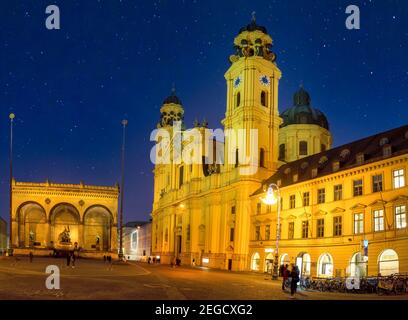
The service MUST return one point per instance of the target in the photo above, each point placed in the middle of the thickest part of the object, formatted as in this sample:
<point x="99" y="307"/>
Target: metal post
<point x="124" y="124"/>
<point x="11" y="116"/>
<point x="276" y="262"/>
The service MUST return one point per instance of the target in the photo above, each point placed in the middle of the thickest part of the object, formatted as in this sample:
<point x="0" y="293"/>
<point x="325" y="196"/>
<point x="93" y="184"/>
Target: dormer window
<point x="384" y="141"/>
<point x="360" y="158"/>
<point x="295" y="177"/>
<point x="279" y="182"/>
<point x="387" y="150"/>
<point x="336" y="165"/>
<point x="314" y="172"/>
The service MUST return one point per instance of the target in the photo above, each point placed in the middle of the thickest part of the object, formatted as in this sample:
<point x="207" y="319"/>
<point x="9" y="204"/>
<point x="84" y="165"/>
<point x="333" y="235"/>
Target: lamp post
<point x="124" y="124"/>
<point x="11" y="116"/>
<point x="271" y="199"/>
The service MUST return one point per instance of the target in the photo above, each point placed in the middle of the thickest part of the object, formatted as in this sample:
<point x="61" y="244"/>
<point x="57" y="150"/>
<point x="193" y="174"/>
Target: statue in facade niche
<point x="65" y="236"/>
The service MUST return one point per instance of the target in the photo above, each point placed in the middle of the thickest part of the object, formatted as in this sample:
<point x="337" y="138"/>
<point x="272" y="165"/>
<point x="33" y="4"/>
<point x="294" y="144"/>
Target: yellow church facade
<point x="51" y="216"/>
<point x="211" y="214"/>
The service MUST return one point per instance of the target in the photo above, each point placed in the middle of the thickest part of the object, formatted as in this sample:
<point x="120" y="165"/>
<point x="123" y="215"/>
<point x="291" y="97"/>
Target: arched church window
<point x="282" y="152"/>
<point x="303" y="148"/>
<point x="262" y="158"/>
<point x="238" y="102"/>
<point x="264" y="100"/>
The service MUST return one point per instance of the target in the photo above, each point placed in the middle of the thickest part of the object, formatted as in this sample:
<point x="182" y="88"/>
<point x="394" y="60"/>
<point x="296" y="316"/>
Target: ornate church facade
<point x="50" y="216"/>
<point x="343" y="210"/>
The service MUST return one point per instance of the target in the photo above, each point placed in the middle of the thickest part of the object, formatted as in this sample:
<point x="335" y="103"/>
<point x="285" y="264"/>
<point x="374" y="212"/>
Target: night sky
<point x="71" y="88"/>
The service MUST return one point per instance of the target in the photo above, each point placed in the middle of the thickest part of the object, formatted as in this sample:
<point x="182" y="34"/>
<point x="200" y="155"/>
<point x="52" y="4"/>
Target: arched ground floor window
<point x="255" y="262"/>
<point x="325" y="265"/>
<point x="268" y="266"/>
<point x="388" y="262"/>
<point x="303" y="262"/>
<point x="358" y="267"/>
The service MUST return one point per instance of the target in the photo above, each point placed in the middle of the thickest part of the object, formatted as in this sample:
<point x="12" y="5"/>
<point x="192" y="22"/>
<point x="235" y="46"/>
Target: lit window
<point x="338" y="192"/>
<point x="267" y="232"/>
<point x="379" y="220"/>
<point x="400" y="217"/>
<point x="305" y="229"/>
<point x="306" y="199"/>
<point x="358" y="187"/>
<point x="358" y="223"/>
<point x="291" y="230"/>
<point x="321" y="195"/>
<point x="399" y="178"/>
<point x="377" y="183"/>
<point x="320" y="228"/>
<point x="337" y="226"/>
<point x="257" y="233"/>
<point x="292" y="201"/>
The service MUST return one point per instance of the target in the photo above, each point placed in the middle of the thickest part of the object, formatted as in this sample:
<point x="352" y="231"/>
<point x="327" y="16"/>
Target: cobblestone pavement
<point x="92" y="279"/>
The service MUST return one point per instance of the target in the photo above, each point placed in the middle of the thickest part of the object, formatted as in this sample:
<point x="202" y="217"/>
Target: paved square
<point x="92" y="279"/>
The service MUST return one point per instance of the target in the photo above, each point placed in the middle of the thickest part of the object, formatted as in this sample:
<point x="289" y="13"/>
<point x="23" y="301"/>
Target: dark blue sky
<point x="70" y="88"/>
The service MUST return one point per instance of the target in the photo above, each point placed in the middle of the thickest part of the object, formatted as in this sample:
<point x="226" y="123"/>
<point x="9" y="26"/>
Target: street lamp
<point x="11" y="116"/>
<point x="124" y="124"/>
<point x="271" y="199"/>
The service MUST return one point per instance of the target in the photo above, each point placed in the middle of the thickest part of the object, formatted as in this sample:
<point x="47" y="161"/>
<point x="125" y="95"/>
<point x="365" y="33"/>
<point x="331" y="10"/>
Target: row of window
<point x="303" y="149"/>
<point x="264" y="99"/>
<point x="377" y="186"/>
<point x="358" y="224"/>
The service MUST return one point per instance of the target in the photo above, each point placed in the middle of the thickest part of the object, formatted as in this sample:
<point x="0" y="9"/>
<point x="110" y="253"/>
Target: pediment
<point x="400" y="198"/>
<point x="358" y="206"/>
<point x="305" y="215"/>
<point x="337" y="210"/>
<point x="257" y="222"/>
<point x="229" y="249"/>
<point x="320" y="213"/>
<point x="291" y="217"/>
<point x="378" y="202"/>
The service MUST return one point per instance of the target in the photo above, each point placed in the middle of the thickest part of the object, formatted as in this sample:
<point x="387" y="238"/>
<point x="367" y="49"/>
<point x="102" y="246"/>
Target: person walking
<point x="281" y="269"/>
<point x="73" y="259"/>
<point x="109" y="259"/>
<point x="68" y="259"/>
<point x="295" y="279"/>
<point x="285" y="275"/>
<point x="31" y="256"/>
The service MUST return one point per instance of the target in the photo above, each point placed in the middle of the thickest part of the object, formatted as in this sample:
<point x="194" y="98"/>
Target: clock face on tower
<point x="237" y="81"/>
<point x="264" y="80"/>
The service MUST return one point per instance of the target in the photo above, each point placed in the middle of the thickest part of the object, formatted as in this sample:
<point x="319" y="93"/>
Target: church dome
<point x="302" y="112"/>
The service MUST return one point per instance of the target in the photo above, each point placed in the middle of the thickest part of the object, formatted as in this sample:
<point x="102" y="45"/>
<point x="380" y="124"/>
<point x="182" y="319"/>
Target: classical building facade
<point x="47" y="216"/>
<point x="211" y="214"/>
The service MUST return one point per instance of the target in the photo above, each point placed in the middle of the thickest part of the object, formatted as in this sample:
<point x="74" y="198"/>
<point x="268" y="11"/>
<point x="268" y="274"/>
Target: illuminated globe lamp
<point x="273" y="197"/>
